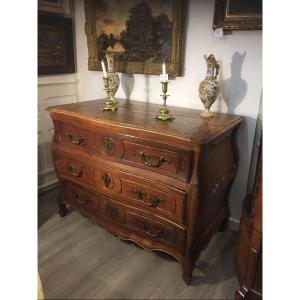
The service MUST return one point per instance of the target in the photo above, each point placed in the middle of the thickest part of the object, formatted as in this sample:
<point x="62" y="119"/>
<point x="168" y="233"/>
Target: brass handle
<point x="81" y="139"/>
<point x="139" y="194"/>
<point x="145" y="228"/>
<point x="154" y="201"/>
<point x="81" y="200"/>
<point x="144" y="156"/>
<point x="106" y="179"/>
<point x="75" y="172"/>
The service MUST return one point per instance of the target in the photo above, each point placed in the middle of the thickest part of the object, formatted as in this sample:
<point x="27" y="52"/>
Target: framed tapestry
<point x="55" y="45"/>
<point x="238" y="14"/>
<point x="141" y="33"/>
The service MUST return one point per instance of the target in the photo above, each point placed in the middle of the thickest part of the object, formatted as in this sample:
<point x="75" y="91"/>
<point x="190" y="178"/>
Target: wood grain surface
<point x="78" y="260"/>
<point x="185" y="166"/>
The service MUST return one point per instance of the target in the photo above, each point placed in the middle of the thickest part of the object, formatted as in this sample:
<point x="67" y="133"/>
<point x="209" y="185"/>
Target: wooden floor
<point x="79" y="260"/>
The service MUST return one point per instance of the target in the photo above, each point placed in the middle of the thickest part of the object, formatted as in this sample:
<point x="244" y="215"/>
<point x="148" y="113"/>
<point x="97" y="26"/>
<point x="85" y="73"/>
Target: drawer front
<point x="75" y="170"/>
<point x="155" y="230"/>
<point x="137" y="192"/>
<point x="160" y="158"/>
<point x="77" y="137"/>
<point x="80" y="198"/>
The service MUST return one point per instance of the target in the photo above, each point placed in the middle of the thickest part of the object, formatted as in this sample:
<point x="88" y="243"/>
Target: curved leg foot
<point x="62" y="209"/>
<point x="187" y="266"/>
<point x="187" y="279"/>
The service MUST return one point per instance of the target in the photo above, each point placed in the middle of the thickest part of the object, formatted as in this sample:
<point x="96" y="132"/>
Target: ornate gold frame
<point x="223" y="18"/>
<point x="174" y="68"/>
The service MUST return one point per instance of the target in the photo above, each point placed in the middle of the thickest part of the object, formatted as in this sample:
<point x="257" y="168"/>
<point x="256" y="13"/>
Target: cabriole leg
<point x="62" y="208"/>
<point x="187" y="267"/>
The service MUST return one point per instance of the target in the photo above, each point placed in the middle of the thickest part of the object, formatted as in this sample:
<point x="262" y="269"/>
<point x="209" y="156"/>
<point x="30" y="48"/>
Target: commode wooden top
<point x="188" y="125"/>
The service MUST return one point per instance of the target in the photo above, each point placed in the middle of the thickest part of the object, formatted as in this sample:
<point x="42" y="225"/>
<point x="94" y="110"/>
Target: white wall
<point x="52" y="90"/>
<point x="240" y="55"/>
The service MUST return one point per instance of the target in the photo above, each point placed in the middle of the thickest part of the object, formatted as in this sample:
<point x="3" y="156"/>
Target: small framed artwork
<point x="55" y="45"/>
<point x="238" y="14"/>
<point x="141" y="34"/>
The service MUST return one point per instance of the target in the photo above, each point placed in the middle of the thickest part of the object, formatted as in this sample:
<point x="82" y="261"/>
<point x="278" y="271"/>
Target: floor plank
<point x="79" y="260"/>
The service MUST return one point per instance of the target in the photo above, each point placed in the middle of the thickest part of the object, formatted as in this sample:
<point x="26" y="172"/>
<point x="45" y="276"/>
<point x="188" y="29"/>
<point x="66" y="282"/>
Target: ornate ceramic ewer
<point x="209" y="88"/>
<point x="113" y="78"/>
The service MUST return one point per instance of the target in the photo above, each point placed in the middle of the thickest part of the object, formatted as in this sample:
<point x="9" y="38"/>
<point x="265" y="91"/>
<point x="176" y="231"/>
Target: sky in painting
<point x="114" y="19"/>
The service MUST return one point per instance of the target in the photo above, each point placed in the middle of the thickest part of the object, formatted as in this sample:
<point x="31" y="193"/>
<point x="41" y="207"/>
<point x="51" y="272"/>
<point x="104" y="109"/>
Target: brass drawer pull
<point x="144" y="157"/>
<point x="77" y="173"/>
<point x="81" y="139"/>
<point x="155" y="201"/>
<point x="106" y="179"/>
<point x="139" y="194"/>
<point x="145" y="227"/>
<point x="81" y="200"/>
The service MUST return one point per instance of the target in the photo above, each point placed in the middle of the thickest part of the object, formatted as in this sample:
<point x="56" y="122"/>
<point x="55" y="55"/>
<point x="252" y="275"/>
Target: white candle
<point x="164" y="68"/>
<point x="103" y="69"/>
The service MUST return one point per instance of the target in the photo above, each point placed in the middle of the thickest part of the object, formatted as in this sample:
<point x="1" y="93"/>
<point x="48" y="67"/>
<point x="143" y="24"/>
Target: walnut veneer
<point x="163" y="185"/>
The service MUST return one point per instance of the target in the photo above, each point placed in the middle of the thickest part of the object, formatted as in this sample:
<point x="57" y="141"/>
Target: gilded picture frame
<point x="238" y="15"/>
<point x="126" y="60"/>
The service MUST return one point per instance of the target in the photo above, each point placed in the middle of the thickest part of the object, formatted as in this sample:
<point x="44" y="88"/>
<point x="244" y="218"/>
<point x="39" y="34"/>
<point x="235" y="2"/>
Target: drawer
<point x="75" y="170"/>
<point x="80" y="198"/>
<point x="153" y="156"/>
<point x="75" y="136"/>
<point x="141" y="193"/>
<point x="155" y="230"/>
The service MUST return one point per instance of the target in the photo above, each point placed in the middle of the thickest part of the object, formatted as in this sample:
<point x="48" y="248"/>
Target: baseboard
<point x="48" y="187"/>
<point x="233" y="224"/>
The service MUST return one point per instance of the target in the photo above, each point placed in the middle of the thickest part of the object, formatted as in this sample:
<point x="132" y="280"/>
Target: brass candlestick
<point x="110" y="104"/>
<point x="164" y="113"/>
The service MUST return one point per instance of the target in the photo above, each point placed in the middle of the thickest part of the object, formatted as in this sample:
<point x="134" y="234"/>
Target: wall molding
<point x="58" y="80"/>
<point x="233" y="224"/>
<point x="48" y="186"/>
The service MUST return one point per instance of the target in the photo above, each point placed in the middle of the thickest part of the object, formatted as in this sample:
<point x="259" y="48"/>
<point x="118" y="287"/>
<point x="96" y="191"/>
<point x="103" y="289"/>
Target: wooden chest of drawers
<point x="163" y="185"/>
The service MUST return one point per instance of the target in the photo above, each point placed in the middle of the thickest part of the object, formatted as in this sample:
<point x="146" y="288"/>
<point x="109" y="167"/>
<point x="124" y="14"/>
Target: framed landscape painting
<point x="140" y="33"/>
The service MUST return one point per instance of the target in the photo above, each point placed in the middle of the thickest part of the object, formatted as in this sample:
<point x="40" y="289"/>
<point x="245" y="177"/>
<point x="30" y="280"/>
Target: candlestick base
<point x="207" y="115"/>
<point x="109" y="106"/>
<point x="164" y="115"/>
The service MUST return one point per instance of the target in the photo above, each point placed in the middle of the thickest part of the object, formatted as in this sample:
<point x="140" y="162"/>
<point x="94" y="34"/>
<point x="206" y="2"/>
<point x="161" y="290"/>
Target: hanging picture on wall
<point x="55" y="45"/>
<point x="238" y="14"/>
<point x="140" y="33"/>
